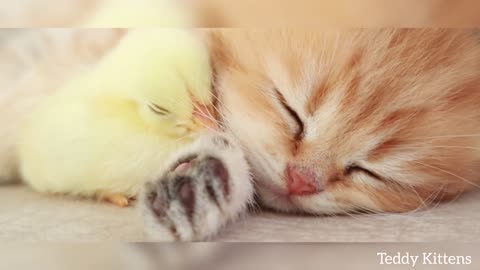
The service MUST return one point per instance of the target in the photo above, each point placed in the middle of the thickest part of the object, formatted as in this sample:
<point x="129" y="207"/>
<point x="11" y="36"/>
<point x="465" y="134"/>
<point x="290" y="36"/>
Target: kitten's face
<point x="353" y="120"/>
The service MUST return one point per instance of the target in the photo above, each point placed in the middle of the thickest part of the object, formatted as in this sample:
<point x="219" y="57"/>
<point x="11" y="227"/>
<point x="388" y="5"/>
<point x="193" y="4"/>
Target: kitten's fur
<point x="401" y="104"/>
<point x="385" y="121"/>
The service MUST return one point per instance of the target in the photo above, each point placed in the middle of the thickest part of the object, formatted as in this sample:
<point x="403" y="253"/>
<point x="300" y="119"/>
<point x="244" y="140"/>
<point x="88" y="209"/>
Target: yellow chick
<point x="110" y="130"/>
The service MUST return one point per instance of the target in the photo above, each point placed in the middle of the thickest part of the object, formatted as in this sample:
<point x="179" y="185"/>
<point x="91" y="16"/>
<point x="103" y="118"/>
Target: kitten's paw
<point x="191" y="201"/>
<point x="206" y="186"/>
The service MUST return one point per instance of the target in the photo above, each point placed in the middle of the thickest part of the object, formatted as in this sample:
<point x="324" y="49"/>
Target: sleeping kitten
<point x="322" y="122"/>
<point x="329" y="122"/>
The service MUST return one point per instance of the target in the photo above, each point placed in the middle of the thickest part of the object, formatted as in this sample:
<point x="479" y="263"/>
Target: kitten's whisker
<point x="177" y="103"/>
<point x="426" y="203"/>
<point x="354" y="215"/>
<point x="383" y="214"/>
<point x="422" y="201"/>
<point x="444" y="171"/>
<point x="434" y="146"/>
<point x="219" y="112"/>
<point x="223" y="123"/>
<point x="438" y="197"/>
<point x="206" y="114"/>
<point x="213" y="117"/>
<point x="220" y="102"/>
<point x="446" y="136"/>
<point x="374" y="212"/>
<point x="206" y="127"/>
<point x="203" y="114"/>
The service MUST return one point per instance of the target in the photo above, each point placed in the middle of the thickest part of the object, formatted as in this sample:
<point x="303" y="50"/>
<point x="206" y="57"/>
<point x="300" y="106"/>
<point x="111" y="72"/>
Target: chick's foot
<point x="116" y="199"/>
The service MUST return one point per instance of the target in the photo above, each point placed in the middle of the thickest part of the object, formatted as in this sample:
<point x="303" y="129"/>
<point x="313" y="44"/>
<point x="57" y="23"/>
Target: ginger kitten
<point x="329" y="122"/>
<point x="376" y="119"/>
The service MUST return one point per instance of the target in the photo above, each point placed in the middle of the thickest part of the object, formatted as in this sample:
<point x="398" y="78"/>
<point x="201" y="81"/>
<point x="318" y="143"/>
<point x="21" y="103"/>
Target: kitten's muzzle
<point x="302" y="181"/>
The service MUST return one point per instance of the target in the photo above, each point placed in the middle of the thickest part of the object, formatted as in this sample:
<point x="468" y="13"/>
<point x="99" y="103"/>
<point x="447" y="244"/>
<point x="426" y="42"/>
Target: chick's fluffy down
<point x="91" y="137"/>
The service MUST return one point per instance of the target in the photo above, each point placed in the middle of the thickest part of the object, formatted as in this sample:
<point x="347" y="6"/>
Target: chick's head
<point x="167" y="73"/>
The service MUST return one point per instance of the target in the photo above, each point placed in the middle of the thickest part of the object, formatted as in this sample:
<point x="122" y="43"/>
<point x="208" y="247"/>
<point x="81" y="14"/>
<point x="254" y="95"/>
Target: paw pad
<point x="188" y="177"/>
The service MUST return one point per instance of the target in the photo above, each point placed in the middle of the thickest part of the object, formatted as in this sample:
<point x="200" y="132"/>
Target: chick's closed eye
<point x="158" y="109"/>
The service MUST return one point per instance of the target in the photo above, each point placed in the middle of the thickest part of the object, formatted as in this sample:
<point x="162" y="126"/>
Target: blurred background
<point x="253" y="13"/>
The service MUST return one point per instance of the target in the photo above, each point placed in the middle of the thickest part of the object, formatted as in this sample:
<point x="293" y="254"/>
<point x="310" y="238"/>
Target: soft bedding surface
<point x="28" y="216"/>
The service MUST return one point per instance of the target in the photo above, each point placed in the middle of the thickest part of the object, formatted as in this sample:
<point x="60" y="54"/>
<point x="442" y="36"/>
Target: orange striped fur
<point x="403" y="104"/>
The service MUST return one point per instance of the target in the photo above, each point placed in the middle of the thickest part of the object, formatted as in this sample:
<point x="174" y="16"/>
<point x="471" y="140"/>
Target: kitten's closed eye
<point x="391" y="109"/>
<point x="300" y="126"/>
<point x="354" y="168"/>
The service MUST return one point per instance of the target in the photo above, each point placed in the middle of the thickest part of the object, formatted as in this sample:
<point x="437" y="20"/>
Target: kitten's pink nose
<point x="302" y="181"/>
